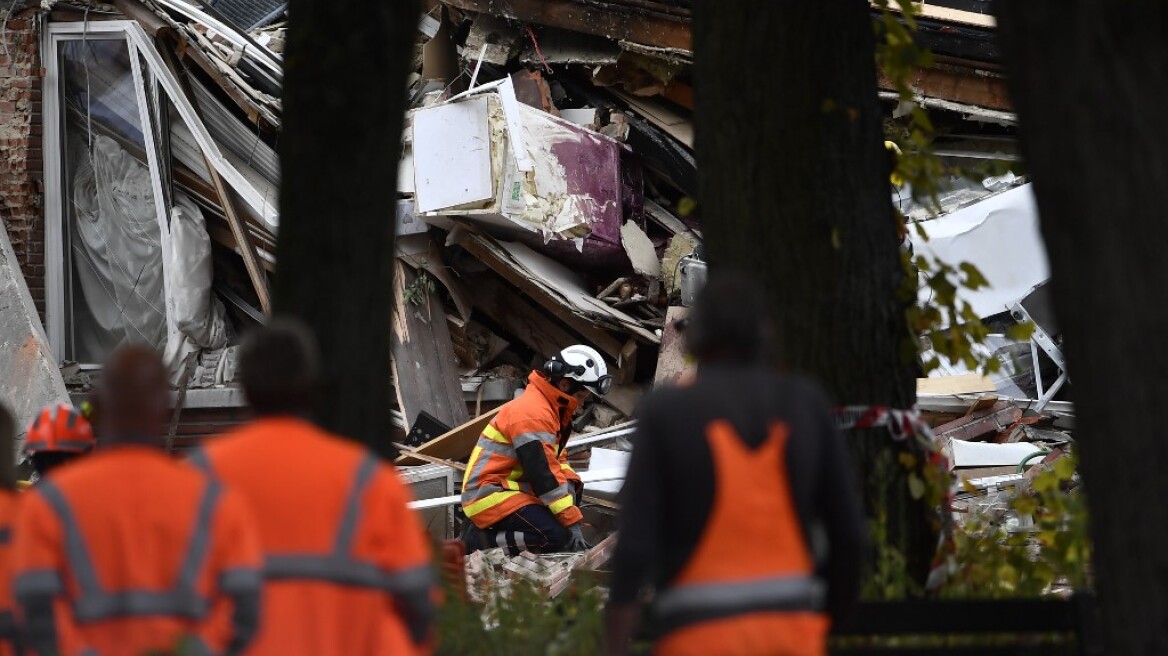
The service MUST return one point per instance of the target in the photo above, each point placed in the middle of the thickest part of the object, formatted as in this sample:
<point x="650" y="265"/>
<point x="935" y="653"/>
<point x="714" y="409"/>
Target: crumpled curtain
<point x="118" y="258"/>
<point x="200" y="319"/>
<point x="117" y="254"/>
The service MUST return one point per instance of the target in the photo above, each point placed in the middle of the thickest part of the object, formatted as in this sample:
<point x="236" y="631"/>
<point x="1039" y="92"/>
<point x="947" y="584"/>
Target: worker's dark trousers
<point x="531" y="528"/>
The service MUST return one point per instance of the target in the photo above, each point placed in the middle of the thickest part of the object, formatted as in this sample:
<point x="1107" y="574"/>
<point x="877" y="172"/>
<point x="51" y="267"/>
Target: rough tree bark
<point x="794" y="189"/>
<point x="344" y="100"/>
<point x="1089" y="79"/>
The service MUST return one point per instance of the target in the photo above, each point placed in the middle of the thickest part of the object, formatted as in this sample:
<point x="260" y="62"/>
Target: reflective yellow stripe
<point x="510" y="484"/>
<point x="470" y="465"/>
<point x="559" y="506"/>
<point x="566" y="467"/>
<point x="493" y="434"/>
<point x="488" y="502"/>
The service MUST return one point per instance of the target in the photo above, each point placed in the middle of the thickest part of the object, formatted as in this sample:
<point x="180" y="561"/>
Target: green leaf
<point x="1026" y="505"/>
<point x="916" y="487"/>
<point x="1064" y="468"/>
<point x="973" y="277"/>
<point x="920" y="228"/>
<point x="1020" y="332"/>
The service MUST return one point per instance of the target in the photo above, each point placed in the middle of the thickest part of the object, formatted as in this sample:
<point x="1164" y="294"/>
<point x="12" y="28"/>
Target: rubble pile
<point x="544" y="198"/>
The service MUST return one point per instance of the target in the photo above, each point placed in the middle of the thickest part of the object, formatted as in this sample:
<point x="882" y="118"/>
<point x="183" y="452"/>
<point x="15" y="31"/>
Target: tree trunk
<point x="795" y="190"/>
<point x="1089" y="81"/>
<point x="344" y="103"/>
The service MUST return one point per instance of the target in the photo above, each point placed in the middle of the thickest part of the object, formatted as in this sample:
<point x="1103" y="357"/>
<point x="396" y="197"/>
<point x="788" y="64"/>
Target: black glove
<point x="576" y="541"/>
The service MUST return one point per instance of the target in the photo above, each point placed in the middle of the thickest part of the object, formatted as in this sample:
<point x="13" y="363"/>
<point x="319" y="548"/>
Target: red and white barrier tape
<point x="901" y="424"/>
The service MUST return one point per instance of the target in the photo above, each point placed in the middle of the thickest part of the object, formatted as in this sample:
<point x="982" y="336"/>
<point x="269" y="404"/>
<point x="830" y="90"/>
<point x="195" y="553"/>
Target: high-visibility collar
<point x="557" y="398"/>
<point x="282" y="424"/>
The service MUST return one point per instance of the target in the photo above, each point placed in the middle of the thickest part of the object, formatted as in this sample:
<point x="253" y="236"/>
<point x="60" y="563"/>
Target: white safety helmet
<point x="582" y="364"/>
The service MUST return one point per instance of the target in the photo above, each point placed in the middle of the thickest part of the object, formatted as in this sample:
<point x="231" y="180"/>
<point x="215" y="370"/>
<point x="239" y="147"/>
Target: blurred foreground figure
<point x="9" y="640"/>
<point x="346" y="563"/>
<point x="127" y="551"/>
<point x="59" y="435"/>
<point x="731" y="477"/>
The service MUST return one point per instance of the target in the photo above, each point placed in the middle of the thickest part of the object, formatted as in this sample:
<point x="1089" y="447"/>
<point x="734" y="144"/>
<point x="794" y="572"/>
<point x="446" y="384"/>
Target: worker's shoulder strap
<point x="341" y="566"/>
<point x="93" y="602"/>
<point x="201" y="461"/>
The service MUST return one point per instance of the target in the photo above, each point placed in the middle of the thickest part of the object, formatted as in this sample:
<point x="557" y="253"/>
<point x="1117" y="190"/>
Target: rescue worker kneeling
<point x="519" y="492"/>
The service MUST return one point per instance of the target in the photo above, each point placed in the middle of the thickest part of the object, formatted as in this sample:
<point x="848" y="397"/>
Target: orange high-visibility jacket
<point x="520" y="459"/>
<point x="8" y="635"/>
<point x="129" y="552"/>
<point x="347" y="564"/>
<point x="751" y="596"/>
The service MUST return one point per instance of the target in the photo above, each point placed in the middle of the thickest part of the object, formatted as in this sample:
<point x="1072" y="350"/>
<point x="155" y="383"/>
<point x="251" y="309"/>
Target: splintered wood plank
<point x="425" y="371"/>
<point x="453" y="445"/>
<point x="672" y="363"/>
<point x="596" y="336"/>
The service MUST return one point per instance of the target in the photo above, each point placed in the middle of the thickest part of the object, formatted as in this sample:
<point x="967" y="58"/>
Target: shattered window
<point x="113" y="270"/>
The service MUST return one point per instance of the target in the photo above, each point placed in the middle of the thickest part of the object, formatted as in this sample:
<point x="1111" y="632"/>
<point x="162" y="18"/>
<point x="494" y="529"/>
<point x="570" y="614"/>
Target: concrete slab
<point x="29" y="376"/>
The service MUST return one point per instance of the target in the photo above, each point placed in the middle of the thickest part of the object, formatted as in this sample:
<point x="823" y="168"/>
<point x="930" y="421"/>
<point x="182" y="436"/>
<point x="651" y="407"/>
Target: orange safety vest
<point x="137" y="553"/>
<point x="341" y="546"/>
<point x="749" y="588"/>
<point x="9" y="639"/>
<point x="495" y="485"/>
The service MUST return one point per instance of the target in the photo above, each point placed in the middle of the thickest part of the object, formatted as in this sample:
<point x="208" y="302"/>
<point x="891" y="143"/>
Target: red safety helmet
<point x="59" y="429"/>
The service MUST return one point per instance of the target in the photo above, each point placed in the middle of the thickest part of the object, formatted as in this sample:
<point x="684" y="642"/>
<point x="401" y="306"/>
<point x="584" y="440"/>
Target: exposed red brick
<point x="21" y="167"/>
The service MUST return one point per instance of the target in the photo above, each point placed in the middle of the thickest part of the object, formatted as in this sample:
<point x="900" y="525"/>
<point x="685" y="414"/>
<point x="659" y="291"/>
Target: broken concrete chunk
<point x="501" y="38"/>
<point x="640" y="250"/>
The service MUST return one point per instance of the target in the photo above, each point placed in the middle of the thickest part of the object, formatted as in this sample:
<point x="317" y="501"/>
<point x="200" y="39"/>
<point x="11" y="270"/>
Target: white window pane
<point x="114" y="286"/>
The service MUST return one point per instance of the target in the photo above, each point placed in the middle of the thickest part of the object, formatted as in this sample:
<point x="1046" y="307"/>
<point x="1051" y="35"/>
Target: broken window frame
<point x="58" y="294"/>
<point x="148" y="68"/>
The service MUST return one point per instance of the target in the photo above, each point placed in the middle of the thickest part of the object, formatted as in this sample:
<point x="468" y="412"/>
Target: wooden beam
<point x="598" y="337"/>
<point x="413" y="453"/>
<point x="455" y="444"/>
<point x="642" y="24"/>
<point x="926" y="10"/>
<point x="947" y="14"/>
<point x="251" y="259"/>
<point x="965" y="86"/>
<point x="425" y="371"/>
<point x="225" y="238"/>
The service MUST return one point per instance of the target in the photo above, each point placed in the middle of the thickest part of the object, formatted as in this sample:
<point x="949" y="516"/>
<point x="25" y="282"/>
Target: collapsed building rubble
<point x="543" y="199"/>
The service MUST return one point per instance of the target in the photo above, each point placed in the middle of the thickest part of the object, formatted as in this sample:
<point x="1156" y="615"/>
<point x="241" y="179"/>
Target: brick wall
<point x="21" y="158"/>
